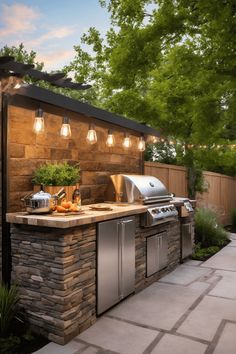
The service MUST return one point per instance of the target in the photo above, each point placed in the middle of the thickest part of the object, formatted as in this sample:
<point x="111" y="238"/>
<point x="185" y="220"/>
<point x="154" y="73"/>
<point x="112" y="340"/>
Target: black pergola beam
<point x="64" y="102"/>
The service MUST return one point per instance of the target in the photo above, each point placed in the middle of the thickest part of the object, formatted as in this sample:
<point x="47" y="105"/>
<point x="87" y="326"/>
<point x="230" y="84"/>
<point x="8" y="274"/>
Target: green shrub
<point x="8" y="308"/>
<point x="207" y="230"/>
<point x="61" y="174"/>
<point x="233" y="217"/>
<point x="9" y="345"/>
<point x="202" y="254"/>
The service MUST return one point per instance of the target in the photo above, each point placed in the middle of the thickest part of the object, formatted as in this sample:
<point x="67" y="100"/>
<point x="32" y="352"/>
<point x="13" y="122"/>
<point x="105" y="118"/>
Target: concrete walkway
<point x="191" y="310"/>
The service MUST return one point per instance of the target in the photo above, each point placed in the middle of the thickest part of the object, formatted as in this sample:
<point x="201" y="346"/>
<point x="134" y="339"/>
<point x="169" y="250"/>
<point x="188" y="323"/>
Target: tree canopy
<point x="170" y="64"/>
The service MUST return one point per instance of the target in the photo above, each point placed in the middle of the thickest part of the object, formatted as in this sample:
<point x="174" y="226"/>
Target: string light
<point x="127" y="141"/>
<point x="65" y="128"/>
<point x="141" y="144"/>
<point x="91" y="135"/>
<point x="110" y="139"/>
<point x="155" y="139"/>
<point x="38" y="127"/>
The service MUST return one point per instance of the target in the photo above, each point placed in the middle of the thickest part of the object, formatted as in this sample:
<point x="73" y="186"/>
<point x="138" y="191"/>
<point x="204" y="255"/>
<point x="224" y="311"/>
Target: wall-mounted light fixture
<point x="38" y="127"/>
<point x="141" y="144"/>
<point x="127" y="141"/>
<point x="91" y="135"/>
<point x="65" y="128"/>
<point x="110" y="138"/>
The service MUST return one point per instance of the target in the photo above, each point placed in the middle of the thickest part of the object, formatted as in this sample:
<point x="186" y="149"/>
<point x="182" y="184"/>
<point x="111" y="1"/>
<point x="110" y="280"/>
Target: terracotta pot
<point x="54" y="189"/>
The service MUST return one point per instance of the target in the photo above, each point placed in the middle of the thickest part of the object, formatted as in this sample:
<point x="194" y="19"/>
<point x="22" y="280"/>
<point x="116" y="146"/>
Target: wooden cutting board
<point x="100" y="208"/>
<point x="69" y="213"/>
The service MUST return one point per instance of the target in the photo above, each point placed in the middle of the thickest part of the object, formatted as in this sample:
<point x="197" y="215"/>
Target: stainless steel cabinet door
<point x="163" y="250"/>
<point x="187" y="240"/>
<point x="127" y="256"/>
<point x="107" y="265"/>
<point x="157" y="253"/>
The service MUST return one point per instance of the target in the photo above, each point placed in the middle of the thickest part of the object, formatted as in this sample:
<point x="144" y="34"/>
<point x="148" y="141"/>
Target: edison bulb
<point x="110" y="139"/>
<point x="141" y="144"/>
<point x="65" y="128"/>
<point x="92" y="135"/>
<point x="127" y="142"/>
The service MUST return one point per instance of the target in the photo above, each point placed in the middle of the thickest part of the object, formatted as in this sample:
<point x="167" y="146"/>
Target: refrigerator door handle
<point x="120" y="250"/>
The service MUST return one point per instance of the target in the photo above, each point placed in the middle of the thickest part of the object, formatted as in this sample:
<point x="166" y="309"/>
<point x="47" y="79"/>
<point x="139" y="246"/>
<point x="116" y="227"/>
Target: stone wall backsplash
<point x="97" y="162"/>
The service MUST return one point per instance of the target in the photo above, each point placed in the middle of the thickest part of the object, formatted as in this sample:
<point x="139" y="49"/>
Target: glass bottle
<point x="77" y="197"/>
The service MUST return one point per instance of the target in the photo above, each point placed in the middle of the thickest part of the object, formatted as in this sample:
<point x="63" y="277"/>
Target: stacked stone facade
<point x="55" y="270"/>
<point x="173" y="237"/>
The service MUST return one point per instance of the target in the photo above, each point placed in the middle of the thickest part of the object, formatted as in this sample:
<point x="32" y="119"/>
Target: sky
<point x="50" y="27"/>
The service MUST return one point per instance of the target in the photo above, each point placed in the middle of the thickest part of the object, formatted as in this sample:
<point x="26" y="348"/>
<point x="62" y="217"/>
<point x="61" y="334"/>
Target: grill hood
<point x="139" y="189"/>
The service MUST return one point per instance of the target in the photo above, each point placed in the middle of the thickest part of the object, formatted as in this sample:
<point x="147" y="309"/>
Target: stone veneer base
<point x="55" y="270"/>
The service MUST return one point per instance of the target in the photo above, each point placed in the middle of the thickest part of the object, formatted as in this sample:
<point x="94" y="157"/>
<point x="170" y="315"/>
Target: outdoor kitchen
<point x="129" y="232"/>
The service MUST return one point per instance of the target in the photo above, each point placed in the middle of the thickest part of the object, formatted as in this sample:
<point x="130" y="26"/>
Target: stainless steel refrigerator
<point x="115" y="261"/>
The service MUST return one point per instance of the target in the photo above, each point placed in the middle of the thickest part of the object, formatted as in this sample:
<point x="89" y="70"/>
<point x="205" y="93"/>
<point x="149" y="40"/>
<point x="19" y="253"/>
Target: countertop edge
<point x="90" y="217"/>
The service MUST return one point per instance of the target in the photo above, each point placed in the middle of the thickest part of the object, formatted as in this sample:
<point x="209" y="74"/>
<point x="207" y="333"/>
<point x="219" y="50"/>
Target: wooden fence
<point x="220" y="196"/>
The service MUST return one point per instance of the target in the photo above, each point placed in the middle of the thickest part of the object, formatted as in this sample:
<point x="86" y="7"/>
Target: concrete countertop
<point x="89" y="216"/>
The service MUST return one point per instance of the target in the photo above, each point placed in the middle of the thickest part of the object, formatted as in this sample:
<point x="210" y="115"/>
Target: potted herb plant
<point x="54" y="176"/>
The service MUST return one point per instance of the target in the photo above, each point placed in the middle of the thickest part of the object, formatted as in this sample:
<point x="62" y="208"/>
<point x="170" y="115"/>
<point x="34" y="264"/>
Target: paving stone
<point x="232" y="243"/>
<point x="91" y="350"/>
<point x="226" y="287"/>
<point x="118" y="336"/>
<point x="199" y="285"/>
<point x="171" y="344"/>
<point x="227" y="341"/>
<point x="193" y="262"/>
<point x="52" y="348"/>
<point x="225" y="259"/>
<point x="204" y="320"/>
<point x="160" y="305"/>
<point x="185" y="275"/>
<point x="233" y="236"/>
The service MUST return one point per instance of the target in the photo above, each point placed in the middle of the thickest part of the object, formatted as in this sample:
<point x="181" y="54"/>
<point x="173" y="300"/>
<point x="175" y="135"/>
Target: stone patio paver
<point x="171" y="344"/>
<point x="226" y="287"/>
<point x="118" y="336"/>
<point x="185" y="275"/>
<point x="160" y="305"/>
<point x="225" y="259"/>
<point x="72" y="347"/>
<point x="190" y="311"/>
<point x="227" y="341"/>
<point x="204" y="320"/>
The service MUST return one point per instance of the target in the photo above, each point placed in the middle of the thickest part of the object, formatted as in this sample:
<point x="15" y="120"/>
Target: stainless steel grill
<point x="147" y="190"/>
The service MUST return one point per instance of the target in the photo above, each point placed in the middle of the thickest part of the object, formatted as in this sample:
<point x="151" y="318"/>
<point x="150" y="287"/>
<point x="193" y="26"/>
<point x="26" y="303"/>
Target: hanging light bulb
<point x="92" y="135"/>
<point x="127" y="141"/>
<point x="154" y="139"/>
<point x="65" y="128"/>
<point x="38" y="127"/>
<point x="141" y="144"/>
<point x="110" y="139"/>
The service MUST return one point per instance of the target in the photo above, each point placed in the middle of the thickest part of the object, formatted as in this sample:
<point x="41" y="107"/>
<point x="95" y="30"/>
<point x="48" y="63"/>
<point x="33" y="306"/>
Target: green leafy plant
<point x="202" y="254"/>
<point x="8" y="308"/>
<point x="207" y="229"/>
<point x="9" y="344"/>
<point x="61" y="174"/>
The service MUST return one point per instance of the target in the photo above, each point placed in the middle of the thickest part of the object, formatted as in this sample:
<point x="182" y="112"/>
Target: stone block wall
<point x="55" y="272"/>
<point x="173" y="236"/>
<point x="27" y="151"/>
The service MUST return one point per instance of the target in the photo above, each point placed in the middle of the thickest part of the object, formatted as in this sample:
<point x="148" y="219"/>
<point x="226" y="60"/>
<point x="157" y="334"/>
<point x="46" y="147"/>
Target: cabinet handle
<point x="127" y="221"/>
